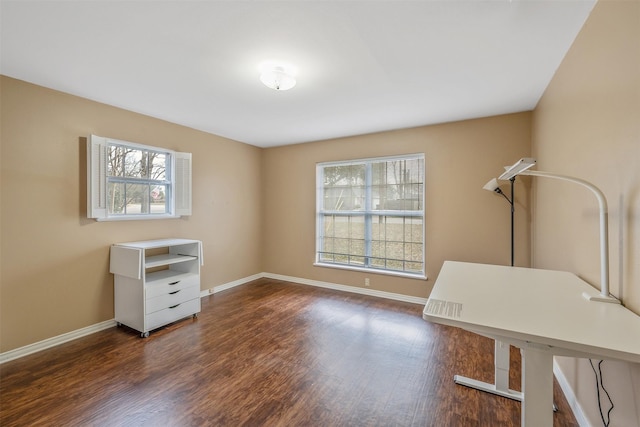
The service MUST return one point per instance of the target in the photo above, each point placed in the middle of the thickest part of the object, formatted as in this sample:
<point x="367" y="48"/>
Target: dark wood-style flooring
<point x="268" y="353"/>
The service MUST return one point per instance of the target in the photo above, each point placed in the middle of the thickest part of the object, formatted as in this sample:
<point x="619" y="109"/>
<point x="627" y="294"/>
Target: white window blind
<point x="133" y="181"/>
<point x="370" y="215"/>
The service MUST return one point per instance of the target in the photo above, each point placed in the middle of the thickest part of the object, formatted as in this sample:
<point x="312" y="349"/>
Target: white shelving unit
<point x="156" y="282"/>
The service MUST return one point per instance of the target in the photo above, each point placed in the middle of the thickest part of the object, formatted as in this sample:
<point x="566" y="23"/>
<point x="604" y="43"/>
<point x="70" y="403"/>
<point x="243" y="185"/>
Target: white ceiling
<point x="364" y="66"/>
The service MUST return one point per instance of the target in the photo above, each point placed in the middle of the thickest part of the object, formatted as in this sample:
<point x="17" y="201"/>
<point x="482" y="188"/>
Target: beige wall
<point x="54" y="267"/>
<point x="587" y="125"/>
<point x="463" y="222"/>
<point x="55" y="262"/>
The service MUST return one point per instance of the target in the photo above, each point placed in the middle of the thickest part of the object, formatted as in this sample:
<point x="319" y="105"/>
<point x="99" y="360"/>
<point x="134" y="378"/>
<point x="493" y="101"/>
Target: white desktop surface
<point x="539" y="306"/>
<point x="541" y="311"/>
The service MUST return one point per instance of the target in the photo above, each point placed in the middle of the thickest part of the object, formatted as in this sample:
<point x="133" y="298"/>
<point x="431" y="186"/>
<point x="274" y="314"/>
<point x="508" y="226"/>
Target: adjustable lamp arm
<point x="493" y="185"/>
<point x="500" y="192"/>
<point x="604" y="233"/>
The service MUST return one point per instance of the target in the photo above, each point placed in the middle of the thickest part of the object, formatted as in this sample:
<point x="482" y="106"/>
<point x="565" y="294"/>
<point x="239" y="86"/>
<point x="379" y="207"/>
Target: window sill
<point x="136" y="217"/>
<point x="417" y="276"/>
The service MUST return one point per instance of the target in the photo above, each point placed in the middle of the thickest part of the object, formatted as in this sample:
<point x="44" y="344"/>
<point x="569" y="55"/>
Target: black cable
<point x="600" y="384"/>
<point x="606" y="392"/>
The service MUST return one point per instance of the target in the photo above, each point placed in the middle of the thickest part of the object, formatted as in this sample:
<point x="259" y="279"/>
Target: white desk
<point x="542" y="312"/>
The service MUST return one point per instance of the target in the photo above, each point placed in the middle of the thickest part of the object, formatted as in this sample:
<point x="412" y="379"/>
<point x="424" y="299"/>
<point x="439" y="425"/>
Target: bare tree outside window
<point x="137" y="180"/>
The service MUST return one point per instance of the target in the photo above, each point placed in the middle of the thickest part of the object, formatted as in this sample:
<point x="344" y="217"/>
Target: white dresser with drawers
<point x="156" y="282"/>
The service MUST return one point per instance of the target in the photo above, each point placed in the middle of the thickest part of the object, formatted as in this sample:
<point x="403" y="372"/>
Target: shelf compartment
<point x="167" y="259"/>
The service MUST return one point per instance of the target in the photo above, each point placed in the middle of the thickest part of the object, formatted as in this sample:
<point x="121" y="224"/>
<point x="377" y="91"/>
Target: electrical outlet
<point x="366" y="281"/>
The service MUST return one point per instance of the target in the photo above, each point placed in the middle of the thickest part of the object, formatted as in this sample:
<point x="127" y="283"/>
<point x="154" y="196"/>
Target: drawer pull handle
<point x="174" y="292"/>
<point x="174" y="283"/>
<point x="174" y="306"/>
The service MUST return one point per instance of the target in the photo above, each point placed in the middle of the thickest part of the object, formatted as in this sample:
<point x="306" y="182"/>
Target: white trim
<point x="581" y="418"/>
<point x="345" y="288"/>
<point x="417" y="276"/>
<point x="230" y="285"/>
<point x="135" y="217"/>
<point x="317" y="283"/>
<point x="54" y="341"/>
<point x="177" y="181"/>
<point x="411" y="156"/>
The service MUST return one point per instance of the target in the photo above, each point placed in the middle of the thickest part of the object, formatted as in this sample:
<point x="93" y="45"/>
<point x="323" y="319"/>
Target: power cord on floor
<point x="600" y="385"/>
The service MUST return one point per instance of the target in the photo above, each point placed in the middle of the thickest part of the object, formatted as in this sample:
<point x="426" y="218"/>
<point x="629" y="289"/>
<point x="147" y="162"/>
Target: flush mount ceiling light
<point x="277" y="76"/>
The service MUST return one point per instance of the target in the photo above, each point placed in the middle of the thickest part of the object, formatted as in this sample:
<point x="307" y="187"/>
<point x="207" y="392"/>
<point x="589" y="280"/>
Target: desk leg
<point x="501" y="377"/>
<point x="537" y="388"/>
<point x="501" y="361"/>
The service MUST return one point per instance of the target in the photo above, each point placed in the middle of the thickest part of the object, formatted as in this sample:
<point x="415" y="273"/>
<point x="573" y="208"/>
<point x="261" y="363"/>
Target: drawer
<point x="171" y="284"/>
<point x="168" y="315"/>
<point x="177" y="296"/>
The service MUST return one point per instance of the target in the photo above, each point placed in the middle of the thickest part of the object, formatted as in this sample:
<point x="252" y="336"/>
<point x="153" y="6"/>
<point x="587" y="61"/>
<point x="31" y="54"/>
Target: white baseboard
<point x="345" y="288"/>
<point x="570" y="396"/>
<point x="69" y="336"/>
<point x="54" y="341"/>
<point x="230" y="285"/>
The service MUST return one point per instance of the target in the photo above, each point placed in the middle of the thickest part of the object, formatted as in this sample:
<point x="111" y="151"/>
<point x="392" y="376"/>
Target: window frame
<point x="368" y="212"/>
<point x="177" y="181"/>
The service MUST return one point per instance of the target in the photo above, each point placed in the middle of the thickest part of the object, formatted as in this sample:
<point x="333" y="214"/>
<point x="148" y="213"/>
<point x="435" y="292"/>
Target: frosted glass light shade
<point x="276" y="78"/>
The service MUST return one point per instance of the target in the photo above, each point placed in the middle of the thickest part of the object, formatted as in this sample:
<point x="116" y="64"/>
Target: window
<point x="133" y="181"/>
<point x="370" y="215"/>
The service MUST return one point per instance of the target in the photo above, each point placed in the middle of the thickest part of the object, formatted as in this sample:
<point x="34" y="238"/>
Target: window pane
<point x="341" y="246"/>
<point x="356" y="260"/>
<point x="413" y="252"/>
<point x="327" y="245"/>
<point x="134" y="163"/>
<point x="158" y="166"/>
<point x="137" y="199"/>
<point x="394" y="250"/>
<point x="115" y="198"/>
<point x="393" y="264"/>
<point x="329" y="225"/>
<point x="396" y="239"/>
<point x="344" y="239"/>
<point x="341" y="227"/>
<point x="415" y="267"/>
<point x="158" y="200"/>
<point x="327" y="257"/>
<point x="394" y="229"/>
<point x="356" y="228"/>
<point x="344" y="187"/>
<point x="397" y="185"/>
<point x="378" y="262"/>
<point x="378" y="228"/>
<point x="377" y="249"/>
<point x="115" y="160"/>
<point x="413" y="229"/>
<point x="343" y="175"/>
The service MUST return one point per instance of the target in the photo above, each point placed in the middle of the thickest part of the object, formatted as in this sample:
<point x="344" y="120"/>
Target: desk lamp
<point x="521" y="167"/>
